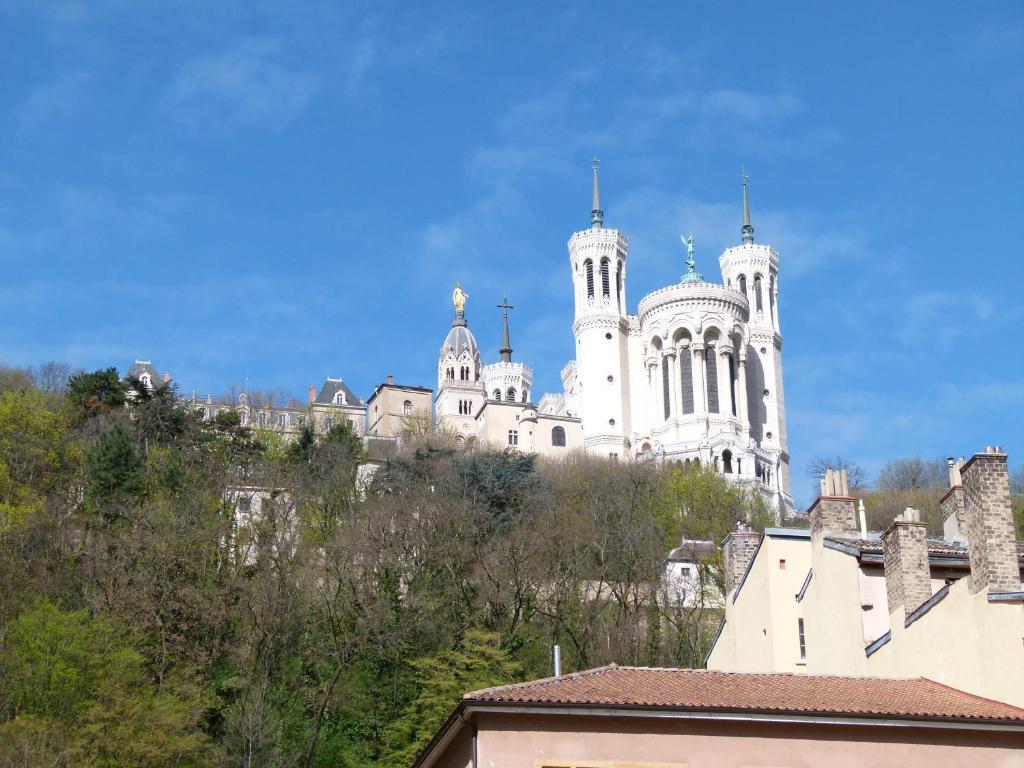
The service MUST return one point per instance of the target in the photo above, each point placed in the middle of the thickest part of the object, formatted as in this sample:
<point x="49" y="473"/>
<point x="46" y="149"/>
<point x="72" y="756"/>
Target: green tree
<point x="116" y="472"/>
<point x="97" y="392"/>
<point x="442" y="678"/>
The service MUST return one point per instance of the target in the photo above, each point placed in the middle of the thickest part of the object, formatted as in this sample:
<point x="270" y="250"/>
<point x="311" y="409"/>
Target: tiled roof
<point x="707" y="690"/>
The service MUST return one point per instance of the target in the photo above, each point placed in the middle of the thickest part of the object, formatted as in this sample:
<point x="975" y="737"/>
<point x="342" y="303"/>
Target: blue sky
<point x="281" y="192"/>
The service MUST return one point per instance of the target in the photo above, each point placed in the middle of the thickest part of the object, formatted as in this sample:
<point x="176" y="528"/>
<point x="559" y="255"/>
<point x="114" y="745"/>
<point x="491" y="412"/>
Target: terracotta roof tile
<point x="707" y="690"/>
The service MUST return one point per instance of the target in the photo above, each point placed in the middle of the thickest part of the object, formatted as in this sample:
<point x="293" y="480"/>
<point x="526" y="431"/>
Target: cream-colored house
<point x="837" y="600"/>
<point x="392" y="406"/>
<point x="628" y="717"/>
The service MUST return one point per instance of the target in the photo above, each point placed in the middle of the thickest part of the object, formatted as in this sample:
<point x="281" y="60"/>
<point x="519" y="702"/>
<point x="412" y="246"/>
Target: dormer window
<point x="339" y="398"/>
<point x="147" y="382"/>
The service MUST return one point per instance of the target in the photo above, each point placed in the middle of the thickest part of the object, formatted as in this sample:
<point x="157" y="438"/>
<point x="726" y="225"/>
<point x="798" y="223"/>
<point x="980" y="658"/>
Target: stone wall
<point x="990" y="532"/>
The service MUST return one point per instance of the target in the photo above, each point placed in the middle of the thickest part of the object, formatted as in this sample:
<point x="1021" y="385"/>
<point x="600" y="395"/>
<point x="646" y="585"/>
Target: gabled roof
<point x="712" y="691"/>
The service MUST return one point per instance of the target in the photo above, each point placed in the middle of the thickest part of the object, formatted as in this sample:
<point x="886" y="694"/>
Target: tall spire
<point x="748" y="230"/>
<point x="596" y="214"/>
<point x="506" y="345"/>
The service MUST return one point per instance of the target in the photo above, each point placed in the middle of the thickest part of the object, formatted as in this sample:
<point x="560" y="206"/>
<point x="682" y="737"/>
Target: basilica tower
<point x="753" y="270"/>
<point x="597" y="258"/>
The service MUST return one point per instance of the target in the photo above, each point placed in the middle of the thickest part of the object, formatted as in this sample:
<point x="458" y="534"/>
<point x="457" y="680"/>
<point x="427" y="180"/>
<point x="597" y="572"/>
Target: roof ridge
<point x="545" y="680"/>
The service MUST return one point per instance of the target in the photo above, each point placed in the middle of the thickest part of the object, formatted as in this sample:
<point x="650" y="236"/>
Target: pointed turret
<point x="748" y="230"/>
<point x="506" y="344"/>
<point x="596" y="214"/>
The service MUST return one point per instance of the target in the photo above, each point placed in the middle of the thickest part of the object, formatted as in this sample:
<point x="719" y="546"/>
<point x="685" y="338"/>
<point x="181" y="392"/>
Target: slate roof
<point x="140" y="367"/>
<point x="331" y="387"/>
<point x="708" y="690"/>
<point x="458" y="340"/>
<point x="936" y="547"/>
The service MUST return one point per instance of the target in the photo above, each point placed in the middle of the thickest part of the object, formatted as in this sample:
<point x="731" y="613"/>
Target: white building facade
<point x="694" y="376"/>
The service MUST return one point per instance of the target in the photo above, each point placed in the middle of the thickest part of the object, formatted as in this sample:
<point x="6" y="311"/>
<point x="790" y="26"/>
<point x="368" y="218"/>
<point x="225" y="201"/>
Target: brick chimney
<point x="738" y="549"/>
<point x="834" y="511"/>
<point x="905" y="550"/>
<point x="954" y="525"/>
<point x="989" y="522"/>
<point x="391" y="379"/>
<point x="312" y="393"/>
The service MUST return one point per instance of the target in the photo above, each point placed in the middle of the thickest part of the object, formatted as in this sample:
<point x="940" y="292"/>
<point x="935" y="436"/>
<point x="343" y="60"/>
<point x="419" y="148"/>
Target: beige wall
<point x="535" y="741"/>
<point x="760" y="632"/>
<point x="963" y="641"/>
<point x="385" y="413"/>
<point x="497" y="418"/>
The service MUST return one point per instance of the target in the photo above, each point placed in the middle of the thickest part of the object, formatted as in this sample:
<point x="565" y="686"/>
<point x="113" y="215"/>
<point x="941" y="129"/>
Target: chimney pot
<point x="738" y="549"/>
<point x="391" y="379"/>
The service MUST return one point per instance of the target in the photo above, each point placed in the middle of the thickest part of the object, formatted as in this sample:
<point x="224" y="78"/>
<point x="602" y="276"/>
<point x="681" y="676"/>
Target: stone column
<point x="654" y="372"/>
<point x="741" y="394"/>
<point x="673" y="385"/>
<point x="700" y="400"/>
<point x="724" y="380"/>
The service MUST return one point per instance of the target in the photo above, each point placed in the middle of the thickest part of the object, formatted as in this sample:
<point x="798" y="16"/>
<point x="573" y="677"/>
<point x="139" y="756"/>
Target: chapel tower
<point x="753" y="270"/>
<point x="460" y="389"/>
<point x="597" y="258"/>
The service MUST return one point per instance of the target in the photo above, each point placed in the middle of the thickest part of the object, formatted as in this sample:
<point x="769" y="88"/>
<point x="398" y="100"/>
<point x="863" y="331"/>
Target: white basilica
<point x="694" y="375"/>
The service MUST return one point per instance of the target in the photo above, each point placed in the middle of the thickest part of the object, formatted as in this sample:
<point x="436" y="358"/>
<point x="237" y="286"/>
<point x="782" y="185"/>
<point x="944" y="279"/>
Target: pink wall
<point x="529" y="741"/>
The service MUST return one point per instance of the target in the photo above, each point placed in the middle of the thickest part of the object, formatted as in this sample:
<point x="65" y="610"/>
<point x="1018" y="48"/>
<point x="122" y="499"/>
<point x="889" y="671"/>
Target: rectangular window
<point x="513" y="437"/>
<point x="782" y="565"/>
<point x="803" y="644"/>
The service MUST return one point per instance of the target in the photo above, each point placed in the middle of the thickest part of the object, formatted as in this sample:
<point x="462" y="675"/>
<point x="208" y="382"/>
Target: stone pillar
<point x="907" y="574"/>
<point x="700" y="400"/>
<point x="673" y="385"/>
<point x="724" y="380"/>
<point x="654" y="372"/>
<point x="990" y="531"/>
<point x="741" y="395"/>
<point x="738" y="549"/>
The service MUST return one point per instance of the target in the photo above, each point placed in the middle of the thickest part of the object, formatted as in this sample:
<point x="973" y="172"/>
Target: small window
<point x="513" y="437"/>
<point x="605" y="280"/>
<point x="588" y="268"/>
<point x="282" y="420"/>
<point x="511" y="395"/>
<point x="558" y="437"/>
<point x="782" y="565"/>
<point x="340" y="399"/>
<point x="497" y="395"/>
<point x="407" y="408"/>
<point x="684" y="571"/>
<point x="803" y="643"/>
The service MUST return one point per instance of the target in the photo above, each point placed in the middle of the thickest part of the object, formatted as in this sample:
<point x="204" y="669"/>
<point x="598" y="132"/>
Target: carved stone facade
<point x="694" y="376"/>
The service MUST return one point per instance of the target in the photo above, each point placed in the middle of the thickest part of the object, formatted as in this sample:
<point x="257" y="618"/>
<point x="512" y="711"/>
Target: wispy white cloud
<point x="249" y="83"/>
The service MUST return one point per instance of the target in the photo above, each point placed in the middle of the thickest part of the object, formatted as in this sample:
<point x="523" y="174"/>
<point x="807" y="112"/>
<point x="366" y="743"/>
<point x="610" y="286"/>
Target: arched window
<point x="686" y="379"/>
<point x="460" y="407"/>
<point x="513" y="437"/>
<point x="727" y="462"/>
<point x="558" y="437"/>
<point x="526" y="395"/>
<point x="606" y="290"/>
<point x="588" y="267"/>
<point x="743" y="284"/>
<point x="618" y="285"/>
<point x="460" y="441"/>
<point x="407" y="408"/>
<point x="771" y="295"/>
<point x="758" y="300"/>
<point x="497" y="395"/>
<point x="511" y="394"/>
<point x="339" y="398"/>
<point x="711" y="365"/>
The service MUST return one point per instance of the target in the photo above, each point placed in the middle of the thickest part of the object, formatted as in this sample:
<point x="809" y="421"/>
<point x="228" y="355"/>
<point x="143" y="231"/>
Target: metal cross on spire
<point x="506" y="344"/>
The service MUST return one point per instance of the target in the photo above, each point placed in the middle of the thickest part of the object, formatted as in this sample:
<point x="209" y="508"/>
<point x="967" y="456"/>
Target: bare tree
<point x="53" y="376"/>
<point x="855" y="472"/>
